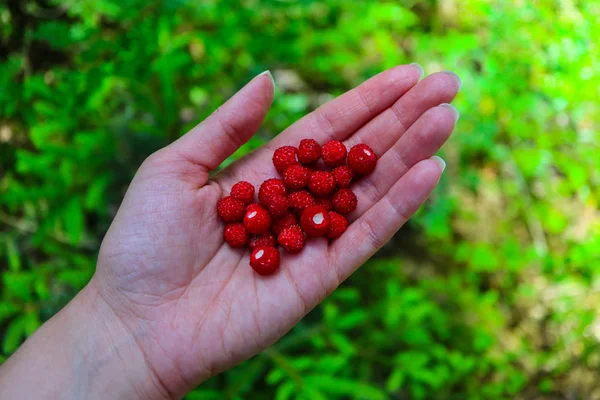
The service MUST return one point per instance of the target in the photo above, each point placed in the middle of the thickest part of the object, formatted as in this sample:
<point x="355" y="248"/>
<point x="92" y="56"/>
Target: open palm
<point x="192" y="303"/>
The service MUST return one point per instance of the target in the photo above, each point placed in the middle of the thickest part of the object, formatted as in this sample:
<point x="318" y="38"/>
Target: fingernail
<point x="453" y="109"/>
<point x="440" y="161"/>
<point x="418" y="66"/>
<point x="268" y="73"/>
<point x="455" y="77"/>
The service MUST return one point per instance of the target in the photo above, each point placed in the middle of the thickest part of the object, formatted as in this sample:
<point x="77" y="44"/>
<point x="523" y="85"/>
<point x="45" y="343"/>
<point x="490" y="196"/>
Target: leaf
<point x="74" y="220"/>
<point x="15" y="333"/>
<point x="395" y="380"/>
<point x="19" y="284"/>
<point x="285" y="391"/>
<point x="344" y="387"/>
<point x="14" y="259"/>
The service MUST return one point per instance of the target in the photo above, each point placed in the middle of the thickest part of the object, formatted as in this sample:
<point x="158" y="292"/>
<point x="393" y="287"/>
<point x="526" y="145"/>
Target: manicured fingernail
<point x="455" y="77"/>
<point x="440" y="161"/>
<point x="453" y="109"/>
<point x="268" y="73"/>
<point x="418" y="66"/>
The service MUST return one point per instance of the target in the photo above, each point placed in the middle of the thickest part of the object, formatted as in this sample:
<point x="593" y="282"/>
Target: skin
<point x="171" y="304"/>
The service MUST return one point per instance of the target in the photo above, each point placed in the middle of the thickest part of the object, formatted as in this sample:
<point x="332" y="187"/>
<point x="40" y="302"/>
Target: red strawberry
<point x="296" y="177"/>
<point x="288" y="219"/>
<point x="278" y="205"/>
<point x="300" y="200"/>
<point x="243" y="191"/>
<point x="343" y="176"/>
<point x="362" y="159"/>
<point x="236" y="235"/>
<point x="344" y="201"/>
<point x="309" y="151"/>
<point x="334" y="153"/>
<point x="292" y="239"/>
<point x="264" y="260"/>
<point x="270" y="188"/>
<point x="268" y="239"/>
<point x="321" y="183"/>
<point x="230" y="209"/>
<point x="315" y="221"/>
<point x="257" y="220"/>
<point x="325" y="202"/>
<point x="285" y="156"/>
<point x="337" y="225"/>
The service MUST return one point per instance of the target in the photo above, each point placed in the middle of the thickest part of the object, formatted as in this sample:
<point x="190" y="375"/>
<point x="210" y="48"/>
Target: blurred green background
<point x="491" y="292"/>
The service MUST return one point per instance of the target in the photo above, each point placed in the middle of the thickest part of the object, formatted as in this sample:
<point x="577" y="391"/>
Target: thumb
<point x="230" y="126"/>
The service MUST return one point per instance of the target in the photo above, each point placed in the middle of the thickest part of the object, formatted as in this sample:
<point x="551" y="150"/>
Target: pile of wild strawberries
<point x="308" y="202"/>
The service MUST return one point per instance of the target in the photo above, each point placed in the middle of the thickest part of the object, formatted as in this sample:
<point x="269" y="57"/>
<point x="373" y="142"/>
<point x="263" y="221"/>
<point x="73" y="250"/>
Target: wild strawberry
<point x="362" y="159"/>
<point x="257" y="220"/>
<point x="268" y="239"/>
<point x="337" y="225"/>
<point x="300" y="200"/>
<point x="334" y="153"/>
<point x="270" y="188"/>
<point x="315" y="221"/>
<point x="285" y="156"/>
<point x="292" y="239"/>
<point x="264" y="260"/>
<point x="296" y="177"/>
<point x="278" y="205"/>
<point x="343" y="176"/>
<point x="243" y="191"/>
<point x="286" y="220"/>
<point x="236" y="235"/>
<point x="321" y="183"/>
<point x="344" y="201"/>
<point x="230" y="209"/>
<point x="325" y="202"/>
<point x="309" y="151"/>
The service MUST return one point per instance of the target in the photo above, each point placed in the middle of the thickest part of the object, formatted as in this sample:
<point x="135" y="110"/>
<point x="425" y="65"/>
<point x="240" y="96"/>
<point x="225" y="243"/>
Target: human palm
<point x="191" y="302"/>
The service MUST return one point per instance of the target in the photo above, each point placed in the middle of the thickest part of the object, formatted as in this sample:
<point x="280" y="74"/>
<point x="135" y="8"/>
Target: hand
<point x="192" y="304"/>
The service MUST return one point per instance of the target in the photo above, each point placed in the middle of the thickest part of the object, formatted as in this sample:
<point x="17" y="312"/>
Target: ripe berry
<point x="292" y="239"/>
<point x="344" y="201"/>
<point x="296" y="177"/>
<point x="270" y="188"/>
<point x="243" y="191"/>
<point x="337" y="225"/>
<point x="230" y="209"/>
<point x="257" y="220"/>
<point x="236" y="235"/>
<point x="278" y="205"/>
<point x="362" y="159"/>
<point x="309" y="151"/>
<point x="268" y="239"/>
<point x="334" y="153"/>
<point x="300" y="201"/>
<point x="343" y="176"/>
<point x="264" y="260"/>
<point x="321" y="183"/>
<point x="315" y="221"/>
<point x="288" y="219"/>
<point x="285" y="156"/>
<point x="325" y="202"/>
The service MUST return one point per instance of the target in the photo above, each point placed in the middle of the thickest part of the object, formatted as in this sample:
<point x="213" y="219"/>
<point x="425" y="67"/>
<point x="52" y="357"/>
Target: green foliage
<point x="490" y="292"/>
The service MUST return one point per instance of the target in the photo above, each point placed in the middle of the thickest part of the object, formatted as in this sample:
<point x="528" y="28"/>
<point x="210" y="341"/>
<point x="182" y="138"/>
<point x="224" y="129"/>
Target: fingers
<point x="230" y="126"/>
<point x="341" y="117"/>
<point x="422" y="140"/>
<point x="372" y="230"/>
<point x="382" y="132"/>
<point x="338" y="119"/>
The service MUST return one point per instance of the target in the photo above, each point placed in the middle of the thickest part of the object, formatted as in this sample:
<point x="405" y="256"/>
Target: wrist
<point x="114" y="351"/>
<point x="84" y="351"/>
